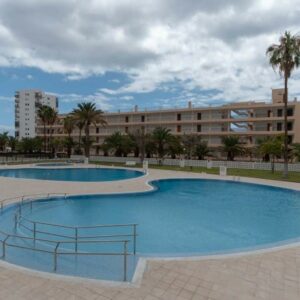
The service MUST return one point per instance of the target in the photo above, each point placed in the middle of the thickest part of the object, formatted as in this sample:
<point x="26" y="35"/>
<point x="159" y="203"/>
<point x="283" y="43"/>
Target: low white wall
<point x="200" y="163"/>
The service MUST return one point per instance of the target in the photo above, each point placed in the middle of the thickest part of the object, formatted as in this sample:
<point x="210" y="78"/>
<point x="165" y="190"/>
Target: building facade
<point x="27" y="103"/>
<point x="250" y="121"/>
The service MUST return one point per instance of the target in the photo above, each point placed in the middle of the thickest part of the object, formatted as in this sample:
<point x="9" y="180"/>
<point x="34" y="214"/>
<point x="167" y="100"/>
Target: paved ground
<point x="273" y="274"/>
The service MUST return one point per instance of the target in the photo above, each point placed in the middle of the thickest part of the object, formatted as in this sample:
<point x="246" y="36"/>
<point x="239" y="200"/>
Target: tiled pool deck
<point x="270" y="274"/>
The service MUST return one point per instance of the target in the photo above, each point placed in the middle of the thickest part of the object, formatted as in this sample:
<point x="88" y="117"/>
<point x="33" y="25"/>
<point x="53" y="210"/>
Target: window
<point x="97" y="129"/>
<point x="279" y="126"/>
<point x="199" y="128"/>
<point x="279" y="113"/>
<point x="269" y="126"/>
<point x="290" y="112"/>
<point x="289" y="126"/>
<point x="290" y="139"/>
<point x="126" y="129"/>
<point x="269" y="113"/>
<point x="126" y="119"/>
<point x="178" y="128"/>
<point x="142" y="118"/>
<point x="199" y="115"/>
<point x="178" y="117"/>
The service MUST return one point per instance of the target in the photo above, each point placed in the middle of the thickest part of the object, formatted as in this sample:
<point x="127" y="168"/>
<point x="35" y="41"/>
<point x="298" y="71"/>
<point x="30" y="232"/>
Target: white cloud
<point x="29" y="77"/>
<point x="101" y="100"/>
<point x="127" y="98"/>
<point x="198" y="44"/>
<point x="115" y="80"/>
<point x="108" y="91"/>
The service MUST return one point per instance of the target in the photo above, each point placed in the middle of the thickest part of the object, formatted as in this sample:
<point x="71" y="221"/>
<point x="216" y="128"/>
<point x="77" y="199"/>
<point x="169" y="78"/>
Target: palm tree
<point x="80" y="126"/>
<point x="285" y="57"/>
<point x="52" y="117"/>
<point x="271" y="147"/>
<point x="296" y="151"/>
<point x="3" y="140"/>
<point x="201" y="150"/>
<point x="232" y="146"/>
<point x="69" y="124"/>
<point x="139" y="138"/>
<point x="122" y="145"/>
<point x="45" y="114"/>
<point x="87" y="113"/>
<point x="189" y="142"/>
<point x="161" y="137"/>
<point x="114" y="142"/>
<point x="174" y="146"/>
<point x="12" y="143"/>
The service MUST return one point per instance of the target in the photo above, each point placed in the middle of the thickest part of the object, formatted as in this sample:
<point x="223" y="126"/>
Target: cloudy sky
<point x="153" y="53"/>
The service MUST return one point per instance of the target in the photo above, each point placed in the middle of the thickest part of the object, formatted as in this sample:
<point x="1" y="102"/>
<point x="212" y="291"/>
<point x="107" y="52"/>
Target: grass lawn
<point x="293" y="176"/>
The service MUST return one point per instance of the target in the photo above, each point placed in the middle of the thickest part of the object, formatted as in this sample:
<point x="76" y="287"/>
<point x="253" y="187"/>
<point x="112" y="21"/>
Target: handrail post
<point x="76" y="239"/>
<point x="55" y="256"/>
<point x="125" y="261"/>
<point x="31" y="205"/>
<point x="16" y="220"/>
<point x="34" y="231"/>
<point x="134" y="239"/>
<point x="4" y="246"/>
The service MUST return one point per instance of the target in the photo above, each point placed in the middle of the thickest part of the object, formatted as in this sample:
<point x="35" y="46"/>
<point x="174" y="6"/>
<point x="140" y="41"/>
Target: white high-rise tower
<point x="27" y="103"/>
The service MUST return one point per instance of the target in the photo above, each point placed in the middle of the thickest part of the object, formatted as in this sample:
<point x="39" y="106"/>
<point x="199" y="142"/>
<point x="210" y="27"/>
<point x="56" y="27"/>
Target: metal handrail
<point x="76" y="229"/>
<point x="77" y="239"/>
<point x="23" y="197"/>
<point x="55" y="252"/>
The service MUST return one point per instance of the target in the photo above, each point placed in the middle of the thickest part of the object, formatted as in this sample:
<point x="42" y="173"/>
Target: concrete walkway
<point x="271" y="274"/>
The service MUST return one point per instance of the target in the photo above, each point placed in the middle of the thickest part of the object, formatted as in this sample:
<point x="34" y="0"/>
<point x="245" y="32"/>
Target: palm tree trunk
<point x="50" y="139"/>
<point x="87" y="141"/>
<point x="79" y="142"/>
<point x="285" y="151"/>
<point x="45" y="139"/>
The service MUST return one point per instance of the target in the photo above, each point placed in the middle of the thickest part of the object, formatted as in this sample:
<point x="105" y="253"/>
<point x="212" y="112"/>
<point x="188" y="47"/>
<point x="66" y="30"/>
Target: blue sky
<point x="119" y="53"/>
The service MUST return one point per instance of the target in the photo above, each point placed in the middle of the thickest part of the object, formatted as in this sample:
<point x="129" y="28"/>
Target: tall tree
<point x="45" y="114"/>
<point x="80" y="126"/>
<point x="69" y="124"/>
<point x="285" y="57"/>
<point x="87" y="113"/>
<point x="52" y="118"/>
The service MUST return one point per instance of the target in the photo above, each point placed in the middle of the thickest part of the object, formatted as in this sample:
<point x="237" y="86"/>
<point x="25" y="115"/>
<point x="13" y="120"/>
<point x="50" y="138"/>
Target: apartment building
<point x="27" y="103"/>
<point x="248" y="120"/>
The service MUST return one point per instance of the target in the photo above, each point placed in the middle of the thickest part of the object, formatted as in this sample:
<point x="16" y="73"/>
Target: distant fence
<point x="19" y="159"/>
<point x="200" y="163"/>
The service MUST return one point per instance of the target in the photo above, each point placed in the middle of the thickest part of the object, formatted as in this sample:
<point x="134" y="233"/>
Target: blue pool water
<point x="72" y="174"/>
<point x="180" y="217"/>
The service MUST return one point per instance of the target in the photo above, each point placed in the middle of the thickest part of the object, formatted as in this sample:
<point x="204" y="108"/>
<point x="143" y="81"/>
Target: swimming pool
<point x="179" y="218"/>
<point x="72" y="174"/>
